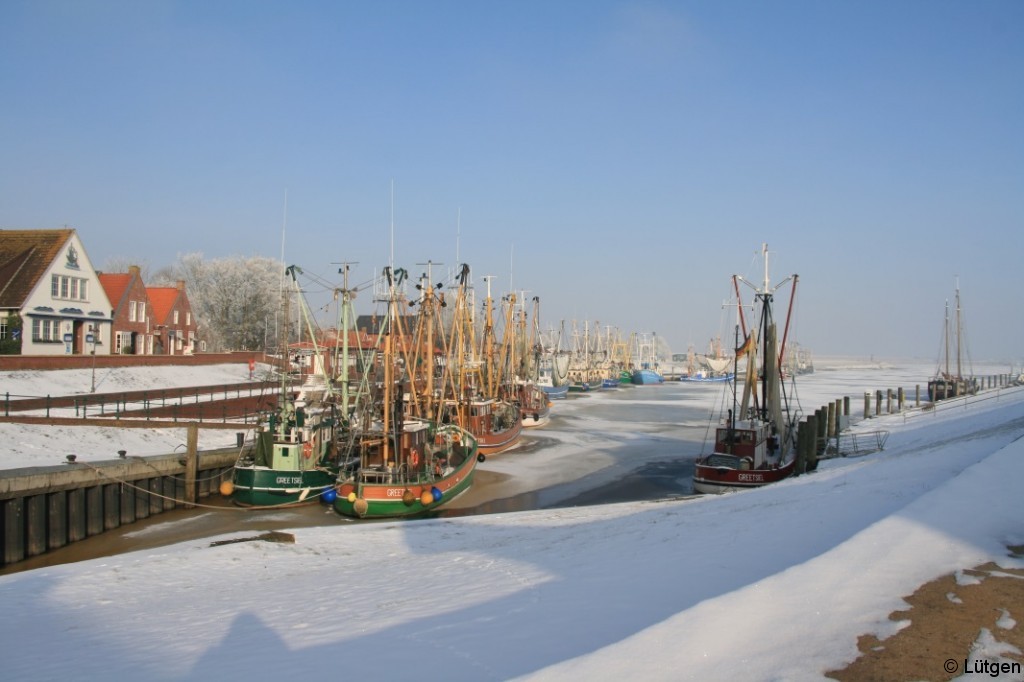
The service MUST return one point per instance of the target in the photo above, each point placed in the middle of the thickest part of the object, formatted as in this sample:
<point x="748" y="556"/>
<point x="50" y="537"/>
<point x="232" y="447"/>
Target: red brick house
<point x="132" y="329"/>
<point x="173" y="324"/>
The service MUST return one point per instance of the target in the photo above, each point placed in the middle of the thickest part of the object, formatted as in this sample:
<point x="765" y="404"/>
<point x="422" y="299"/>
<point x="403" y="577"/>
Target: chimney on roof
<point x="181" y="285"/>
<point x="133" y="270"/>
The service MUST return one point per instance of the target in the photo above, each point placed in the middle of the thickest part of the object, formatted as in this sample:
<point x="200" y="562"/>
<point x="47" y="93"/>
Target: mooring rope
<point x="282" y="505"/>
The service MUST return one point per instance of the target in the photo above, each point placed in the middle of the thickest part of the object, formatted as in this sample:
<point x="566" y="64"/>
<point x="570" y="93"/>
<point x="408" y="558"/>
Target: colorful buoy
<point x="226" y="488"/>
<point x="360" y="507"/>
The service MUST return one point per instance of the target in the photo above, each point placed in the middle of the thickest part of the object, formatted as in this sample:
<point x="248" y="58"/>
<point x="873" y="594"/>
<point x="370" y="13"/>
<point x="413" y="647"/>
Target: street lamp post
<point x="92" y="336"/>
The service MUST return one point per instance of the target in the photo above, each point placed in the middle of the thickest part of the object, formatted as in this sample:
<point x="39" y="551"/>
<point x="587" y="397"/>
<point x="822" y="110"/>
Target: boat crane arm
<point x="739" y="304"/>
<point x="789" y="316"/>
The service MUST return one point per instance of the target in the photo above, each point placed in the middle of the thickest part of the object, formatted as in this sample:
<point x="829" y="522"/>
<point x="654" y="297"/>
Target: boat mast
<point x="346" y="302"/>
<point x="945" y="341"/>
<point x="959" y="368"/>
<point x="735" y="373"/>
<point x="770" y="365"/>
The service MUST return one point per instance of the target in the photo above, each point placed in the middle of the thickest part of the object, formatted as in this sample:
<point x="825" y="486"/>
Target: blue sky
<point x="621" y="160"/>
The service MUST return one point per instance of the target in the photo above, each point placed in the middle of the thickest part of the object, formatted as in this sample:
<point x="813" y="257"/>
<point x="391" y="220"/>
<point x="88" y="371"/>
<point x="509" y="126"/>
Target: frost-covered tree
<point x="120" y="264"/>
<point x="236" y="300"/>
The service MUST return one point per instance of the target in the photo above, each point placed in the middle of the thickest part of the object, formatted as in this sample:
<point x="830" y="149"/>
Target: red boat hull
<point x="718" y="479"/>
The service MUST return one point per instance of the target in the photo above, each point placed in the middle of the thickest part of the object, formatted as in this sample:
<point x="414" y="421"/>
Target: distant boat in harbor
<point x="947" y="384"/>
<point x="707" y="378"/>
<point x="647" y="371"/>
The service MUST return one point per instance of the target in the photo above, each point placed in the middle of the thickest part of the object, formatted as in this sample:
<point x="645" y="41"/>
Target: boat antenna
<point x="391" y="260"/>
<point x="280" y="290"/>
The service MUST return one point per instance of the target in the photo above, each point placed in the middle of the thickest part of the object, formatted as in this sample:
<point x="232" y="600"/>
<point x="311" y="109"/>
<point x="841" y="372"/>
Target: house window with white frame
<point x="131" y="311"/>
<point x="45" y="330"/>
<point x="175" y="317"/>
<point x="69" y="288"/>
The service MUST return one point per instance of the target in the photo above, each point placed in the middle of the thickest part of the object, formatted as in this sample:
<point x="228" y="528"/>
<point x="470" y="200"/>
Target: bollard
<point x="878" y="402"/>
<point x="899" y="399"/>
<point x="830" y="431"/>
<point x="867" y="405"/>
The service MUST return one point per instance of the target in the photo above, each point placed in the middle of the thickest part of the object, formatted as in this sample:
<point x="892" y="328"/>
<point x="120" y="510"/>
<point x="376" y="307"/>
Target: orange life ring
<point x="414" y="457"/>
<point x="307" y="449"/>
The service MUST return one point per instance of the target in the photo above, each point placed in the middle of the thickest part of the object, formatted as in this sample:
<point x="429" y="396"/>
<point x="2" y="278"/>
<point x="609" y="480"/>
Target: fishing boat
<point x="755" y="443"/>
<point x="397" y="467"/>
<point x="946" y="383"/>
<point x="534" y="405"/>
<point x="294" y="458"/>
<point x="479" y="391"/>
<point x="585" y="374"/>
<point x="546" y="383"/>
<point x="647" y="371"/>
<point x="553" y="366"/>
<point x="527" y="351"/>
<point x="394" y="461"/>
<point x="704" y="377"/>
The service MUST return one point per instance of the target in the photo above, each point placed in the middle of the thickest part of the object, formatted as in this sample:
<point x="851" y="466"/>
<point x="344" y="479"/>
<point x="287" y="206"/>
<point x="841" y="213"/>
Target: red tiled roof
<point x="24" y="257"/>
<point x="115" y="284"/>
<point x="162" y="299"/>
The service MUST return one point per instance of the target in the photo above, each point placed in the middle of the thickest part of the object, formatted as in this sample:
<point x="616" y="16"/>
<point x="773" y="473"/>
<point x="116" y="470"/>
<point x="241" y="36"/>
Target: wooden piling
<point x="76" y="514"/>
<point x="35" y="525"/>
<point x="867" y="405"/>
<point x="801" y="447"/>
<point x="14" y="530"/>
<point x="57" y="519"/>
<point x="94" y="510"/>
<point x="191" y="465"/>
<point x="814" y="432"/>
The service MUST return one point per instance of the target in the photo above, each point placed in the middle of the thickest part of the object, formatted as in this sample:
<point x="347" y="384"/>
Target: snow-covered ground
<point x="31" y="445"/>
<point x="769" y="584"/>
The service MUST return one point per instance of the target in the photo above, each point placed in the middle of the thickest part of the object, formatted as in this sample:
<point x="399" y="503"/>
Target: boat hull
<point x="715" y="480"/>
<point x="942" y="389"/>
<point x="698" y="379"/>
<point x="493" y="442"/>
<point x="643" y="377"/>
<point x="256" y="486"/>
<point x="535" y="418"/>
<point x="391" y="500"/>
<point x="555" y="392"/>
